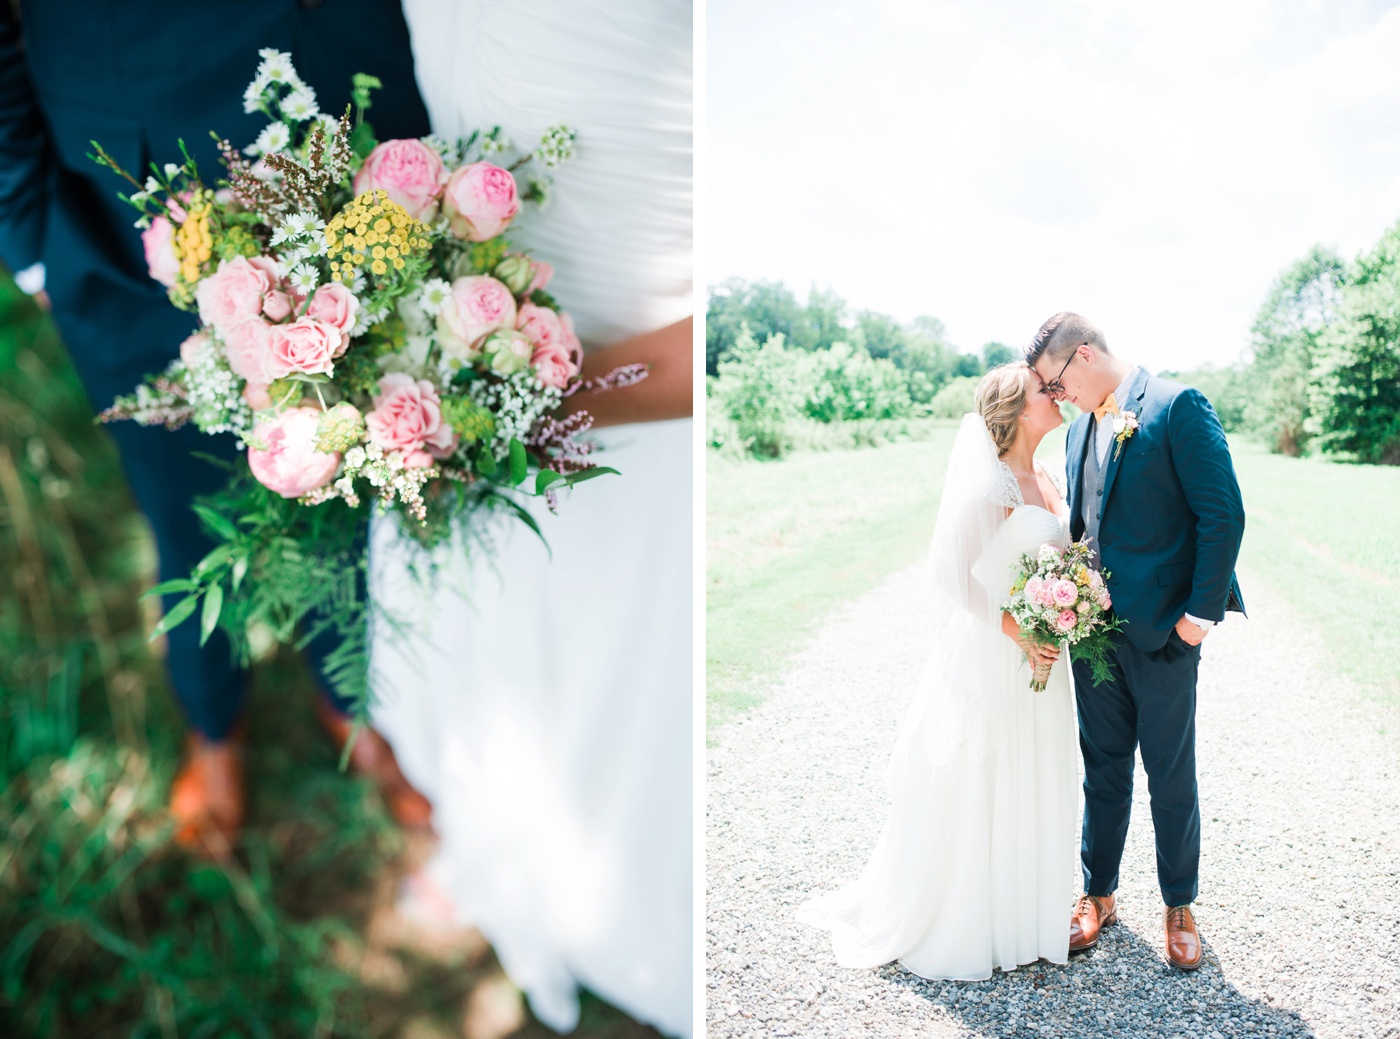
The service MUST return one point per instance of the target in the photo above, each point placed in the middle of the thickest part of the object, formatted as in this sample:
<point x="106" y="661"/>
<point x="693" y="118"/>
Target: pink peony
<point x="477" y="306"/>
<point x="1065" y="593"/>
<point x="409" y="171"/>
<point x="287" y="460"/>
<point x="247" y="346"/>
<point x="407" y="417"/>
<point x="1066" y="620"/>
<point x="1032" y="589"/>
<point x="158" y="240"/>
<point x="480" y="201"/>
<point x="335" y="305"/>
<point x="234" y="293"/>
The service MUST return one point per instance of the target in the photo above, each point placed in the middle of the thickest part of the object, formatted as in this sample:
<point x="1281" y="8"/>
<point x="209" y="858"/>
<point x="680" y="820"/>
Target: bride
<point x="546" y="711"/>
<point x="974" y="868"/>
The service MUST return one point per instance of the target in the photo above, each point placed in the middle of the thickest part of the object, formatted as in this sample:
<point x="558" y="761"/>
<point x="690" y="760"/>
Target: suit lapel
<point x="1075" y="444"/>
<point x="1135" y="394"/>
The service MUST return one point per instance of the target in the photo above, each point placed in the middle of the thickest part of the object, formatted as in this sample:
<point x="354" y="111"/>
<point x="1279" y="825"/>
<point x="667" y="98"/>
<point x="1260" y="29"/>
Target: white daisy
<point x="433" y="295"/>
<point x="274" y="138"/>
<point x="276" y="66"/>
<point x="304" y="279"/>
<point x="300" y="104"/>
<point x="253" y="95"/>
<point x="295" y="256"/>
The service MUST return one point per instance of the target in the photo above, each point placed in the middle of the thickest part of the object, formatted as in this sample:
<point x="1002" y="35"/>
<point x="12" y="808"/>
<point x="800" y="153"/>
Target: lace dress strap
<point x="1057" y="478"/>
<point x="1008" y="489"/>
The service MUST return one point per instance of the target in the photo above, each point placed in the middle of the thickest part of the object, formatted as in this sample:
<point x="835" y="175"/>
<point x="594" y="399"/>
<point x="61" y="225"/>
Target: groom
<point x="137" y="77"/>
<point x="1152" y="484"/>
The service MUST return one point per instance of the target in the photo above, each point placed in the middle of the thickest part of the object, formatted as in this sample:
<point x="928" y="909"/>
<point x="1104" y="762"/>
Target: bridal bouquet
<point x="365" y="332"/>
<point x="1059" y="596"/>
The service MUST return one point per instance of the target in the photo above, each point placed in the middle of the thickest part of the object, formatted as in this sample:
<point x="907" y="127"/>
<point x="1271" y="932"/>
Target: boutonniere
<point x="1125" y="425"/>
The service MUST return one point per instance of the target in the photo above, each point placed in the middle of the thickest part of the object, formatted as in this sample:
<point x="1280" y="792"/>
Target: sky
<point x="1151" y="166"/>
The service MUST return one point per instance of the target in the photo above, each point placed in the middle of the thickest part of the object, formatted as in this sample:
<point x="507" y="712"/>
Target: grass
<point x="105" y="928"/>
<point x="790" y="541"/>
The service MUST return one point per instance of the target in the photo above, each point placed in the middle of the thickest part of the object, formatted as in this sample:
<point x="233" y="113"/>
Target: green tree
<point x="881" y="335"/>
<point x="1300" y="306"/>
<point x="761" y="389"/>
<point x="847" y="383"/>
<point x="768" y="307"/>
<point x="995" y="353"/>
<point x="1356" y="388"/>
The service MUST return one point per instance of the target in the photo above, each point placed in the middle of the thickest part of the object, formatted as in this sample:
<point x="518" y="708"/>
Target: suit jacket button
<point x="1099" y="492"/>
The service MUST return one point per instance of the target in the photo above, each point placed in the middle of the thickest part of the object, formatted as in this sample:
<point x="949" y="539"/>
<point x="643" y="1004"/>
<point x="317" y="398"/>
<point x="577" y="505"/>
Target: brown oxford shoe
<point x="1092" y="913"/>
<point x="373" y="757"/>
<point x="1183" y="940"/>
<point x="207" y="797"/>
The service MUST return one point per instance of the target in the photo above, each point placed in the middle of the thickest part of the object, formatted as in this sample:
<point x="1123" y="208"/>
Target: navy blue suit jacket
<point x="137" y="77"/>
<point x="1171" y="518"/>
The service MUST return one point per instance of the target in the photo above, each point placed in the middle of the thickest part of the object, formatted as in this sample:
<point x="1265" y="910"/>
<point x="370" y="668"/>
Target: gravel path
<point x="1300" y="884"/>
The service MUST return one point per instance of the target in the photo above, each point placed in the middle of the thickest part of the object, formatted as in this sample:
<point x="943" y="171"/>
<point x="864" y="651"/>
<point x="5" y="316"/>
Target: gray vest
<point x="1091" y="496"/>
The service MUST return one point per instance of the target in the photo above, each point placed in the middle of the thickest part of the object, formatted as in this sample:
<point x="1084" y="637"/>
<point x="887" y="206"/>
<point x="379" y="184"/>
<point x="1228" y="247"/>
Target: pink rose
<point x="477" y="306"/>
<point x="480" y="201"/>
<point x="195" y="346"/>
<point x="1104" y="600"/>
<point x="553" y="365"/>
<point x="543" y="272"/>
<point x="234" y="293"/>
<point x="159" y="242"/>
<point x="1032" y="589"/>
<point x="557" y="355"/>
<point x="306" y="345"/>
<point x="335" y="305"/>
<point x="1065" y="593"/>
<point x="277" y="305"/>
<point x="257" y="396"/>
<point x="409" y="171"/>
<point x="1066" y="620"/>
<point x="288" y="462"/>
<point x="407" y="417"/>
<point x="248" y="348"/>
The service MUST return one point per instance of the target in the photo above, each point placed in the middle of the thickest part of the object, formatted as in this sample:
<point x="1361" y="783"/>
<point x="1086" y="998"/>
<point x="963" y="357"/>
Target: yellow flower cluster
<point x="1081" y="577"/>
<point x="193" y="243"/>
<point x="375" y="232"/>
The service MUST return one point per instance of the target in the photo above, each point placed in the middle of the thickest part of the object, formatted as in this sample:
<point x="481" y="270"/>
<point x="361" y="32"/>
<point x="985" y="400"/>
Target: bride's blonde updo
<point x="1001" y="397"/>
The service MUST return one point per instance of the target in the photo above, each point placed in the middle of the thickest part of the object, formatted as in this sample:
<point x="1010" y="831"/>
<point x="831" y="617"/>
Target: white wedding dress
<point x="974" y="869"/>
<point x="546" y="710"/>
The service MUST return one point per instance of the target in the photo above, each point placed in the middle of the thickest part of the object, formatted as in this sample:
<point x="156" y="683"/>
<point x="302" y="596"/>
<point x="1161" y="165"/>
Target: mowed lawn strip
<point x="1325" y="536"/>
<point x="792" y="540"/>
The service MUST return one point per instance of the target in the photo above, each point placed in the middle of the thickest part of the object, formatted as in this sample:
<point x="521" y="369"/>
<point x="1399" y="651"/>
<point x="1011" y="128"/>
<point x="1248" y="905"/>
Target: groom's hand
<point x="1191" y="633"/>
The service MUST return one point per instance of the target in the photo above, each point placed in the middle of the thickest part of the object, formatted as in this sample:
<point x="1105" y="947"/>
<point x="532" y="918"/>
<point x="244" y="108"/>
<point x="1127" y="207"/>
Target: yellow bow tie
<point x="1108" y="407"/>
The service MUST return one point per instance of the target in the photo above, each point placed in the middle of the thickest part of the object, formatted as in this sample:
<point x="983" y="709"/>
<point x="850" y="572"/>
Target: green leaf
<point x="545" y="479"/>
<point x="485" y="464"/>
<point x="519" y="464"/>
<point x="216" y="558"/>
<point x="218" y="524"/>
<point x="589" y="474"/>
<point x="240" y="567"/>
<point x="177" y="615"/>
<point x="181" y="584"/>
<point x="530" y="520"/>
<point x="209" y="617"/>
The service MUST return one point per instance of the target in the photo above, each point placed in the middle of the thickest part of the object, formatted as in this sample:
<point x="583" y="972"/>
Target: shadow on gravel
<point x="1122" y="988"/>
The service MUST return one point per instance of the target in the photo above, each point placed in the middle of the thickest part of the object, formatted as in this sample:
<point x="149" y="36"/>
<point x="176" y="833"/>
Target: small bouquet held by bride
<point x="365" y="332"/>
<point x="1058" y="596"/>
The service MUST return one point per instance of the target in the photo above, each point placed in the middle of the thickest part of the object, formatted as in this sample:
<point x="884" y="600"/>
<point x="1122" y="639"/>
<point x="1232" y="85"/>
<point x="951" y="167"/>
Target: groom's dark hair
<point x="1063" y="333"/>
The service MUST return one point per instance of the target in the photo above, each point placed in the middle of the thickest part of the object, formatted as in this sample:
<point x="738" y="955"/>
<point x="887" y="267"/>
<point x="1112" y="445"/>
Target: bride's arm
<point x="664" y="393"/>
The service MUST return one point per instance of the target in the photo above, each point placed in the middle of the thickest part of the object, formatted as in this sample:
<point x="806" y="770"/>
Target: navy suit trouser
<point x="1150" y="704"/>
<point x="165" y="477"/>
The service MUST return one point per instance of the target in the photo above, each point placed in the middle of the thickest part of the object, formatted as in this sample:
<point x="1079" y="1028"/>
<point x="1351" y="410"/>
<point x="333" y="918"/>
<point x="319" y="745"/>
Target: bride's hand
<point x="664" y="394"/>
<point x="1037" y="653"/>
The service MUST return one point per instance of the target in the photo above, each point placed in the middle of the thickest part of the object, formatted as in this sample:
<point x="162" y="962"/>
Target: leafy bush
<point x="846" y="383"/>
<point x="761" y="389"/>
<point x="955" y="399"/>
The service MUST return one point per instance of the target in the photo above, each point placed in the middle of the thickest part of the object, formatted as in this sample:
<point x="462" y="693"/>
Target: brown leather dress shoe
<point x="206" y="798"/>
<point x="1092" y="913"/>
<point x="1183" y="940"/>
<point x="372" y="756"/>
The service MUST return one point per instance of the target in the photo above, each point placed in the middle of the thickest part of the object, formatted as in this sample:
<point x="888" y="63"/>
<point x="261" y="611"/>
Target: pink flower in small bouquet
<point x="1058" y="596"/>
<point x="477" y="306"/>
<point x="480" y="201"/>
<point x="158" y="241"/>
<point x="305" y="345"/>
<point x="411" y="173"/>
<point x="335" y="305"/>
<point x="407" y="417"/>
<point x="285" y="458"/>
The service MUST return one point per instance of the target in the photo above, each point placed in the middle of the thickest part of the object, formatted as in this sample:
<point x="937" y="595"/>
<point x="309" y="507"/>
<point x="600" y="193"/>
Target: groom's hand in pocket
<point x="1190" y="632"/>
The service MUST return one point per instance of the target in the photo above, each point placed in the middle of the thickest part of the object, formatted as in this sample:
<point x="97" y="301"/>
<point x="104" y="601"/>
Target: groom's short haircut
<point x="1063" y="333"/>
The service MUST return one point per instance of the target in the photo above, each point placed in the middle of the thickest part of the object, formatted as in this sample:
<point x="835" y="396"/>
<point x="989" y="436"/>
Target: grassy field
<point x="105" y="928"/>
<point x="789" y="541"/>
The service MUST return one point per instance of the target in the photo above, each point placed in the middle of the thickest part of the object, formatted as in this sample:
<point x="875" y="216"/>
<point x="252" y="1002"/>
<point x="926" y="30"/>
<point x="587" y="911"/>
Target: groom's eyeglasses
<point x="1055" y="386"/>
